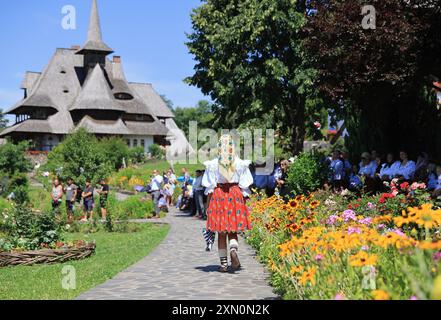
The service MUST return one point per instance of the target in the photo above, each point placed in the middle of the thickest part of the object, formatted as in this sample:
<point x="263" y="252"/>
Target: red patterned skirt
<point x="227" y="210"/>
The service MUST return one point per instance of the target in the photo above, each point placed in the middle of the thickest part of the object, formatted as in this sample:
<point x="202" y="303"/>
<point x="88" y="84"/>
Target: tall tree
<point x="250" y="61"/>
<point x="379" y="81"/>
<point x="3" y="120"/>
<point x="202" y="113"/>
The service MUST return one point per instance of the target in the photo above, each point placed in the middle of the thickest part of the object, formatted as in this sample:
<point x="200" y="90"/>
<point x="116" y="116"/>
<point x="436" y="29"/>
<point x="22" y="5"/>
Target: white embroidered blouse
<point x="242" y="176"/>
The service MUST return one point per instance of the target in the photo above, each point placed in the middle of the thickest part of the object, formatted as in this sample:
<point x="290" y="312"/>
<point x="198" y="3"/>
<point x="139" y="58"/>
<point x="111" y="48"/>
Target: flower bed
<point x="79" y="250"/>
<point x="327" y="246"/>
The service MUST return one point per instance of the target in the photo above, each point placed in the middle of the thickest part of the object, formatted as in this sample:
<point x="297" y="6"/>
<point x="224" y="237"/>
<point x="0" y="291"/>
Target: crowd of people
<point x="74" y="194"/>
<point x="192" y="197"/>
<point x="374" y="171"/>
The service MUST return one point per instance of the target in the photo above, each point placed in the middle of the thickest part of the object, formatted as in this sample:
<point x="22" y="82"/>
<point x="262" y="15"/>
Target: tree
<point x="202" y="113"/>
<point x="80" y="157"/>
<point x="379" y="81"/>
<point x="250" y="61"/>
<point x="3" y="120"/>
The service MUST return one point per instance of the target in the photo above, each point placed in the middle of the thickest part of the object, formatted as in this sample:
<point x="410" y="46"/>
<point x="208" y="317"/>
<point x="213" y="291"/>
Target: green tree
<point x="251" y="62"/>
<point x="379" y="81"/>
<point x="115" y="150"/>
<point x="80" y="156"/>
<point x="12" y="158"/>
<point x="202" y="113"/>
<point x="3" y="120"/>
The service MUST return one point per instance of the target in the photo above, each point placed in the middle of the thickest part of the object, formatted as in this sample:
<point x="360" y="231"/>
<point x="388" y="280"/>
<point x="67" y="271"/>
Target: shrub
<point x="156" y="151"/>
<point x="12" y="158"/>
<point x="79" y="157"/>
<point x="137" y="155"/>
<point x="137" y="207"/>
<point x="307" y="173"/>
<point x="28" y="230"/>
<point x="115" y="150"/>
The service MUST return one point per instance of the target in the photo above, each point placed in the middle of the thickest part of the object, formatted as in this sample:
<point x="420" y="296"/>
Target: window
<point x="143" y="143"/>
<point x="135" y="142"/>
<point x="128" y="142"/>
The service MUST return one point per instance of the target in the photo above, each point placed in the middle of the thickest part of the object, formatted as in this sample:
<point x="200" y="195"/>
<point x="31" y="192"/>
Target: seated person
<point x="406" y="169"/>
<point x="432" y="179"/>
<point x="337" y="170"/>
<point x="354" y="180"/>
<point x="367" y="167"/>
<point x="437" y="191"/>
<point x="389" y="168"/>
<point x="421" y="167"/>
<point x="162" y="204"/>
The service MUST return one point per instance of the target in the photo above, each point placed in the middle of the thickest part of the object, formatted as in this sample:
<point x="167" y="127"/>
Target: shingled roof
<point x="67" y="85"/>
<point x="96" y="93"/>
<point x="95" y="41"/>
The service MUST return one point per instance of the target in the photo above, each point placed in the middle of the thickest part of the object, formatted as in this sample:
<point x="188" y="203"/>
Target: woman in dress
<point x="227" y="180"/>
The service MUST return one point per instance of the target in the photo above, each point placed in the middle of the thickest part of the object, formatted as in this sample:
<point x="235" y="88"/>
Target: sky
<point x="149" y="35"/>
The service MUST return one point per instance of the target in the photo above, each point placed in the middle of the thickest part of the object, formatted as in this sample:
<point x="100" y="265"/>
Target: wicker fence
<point x="46" y="256"/>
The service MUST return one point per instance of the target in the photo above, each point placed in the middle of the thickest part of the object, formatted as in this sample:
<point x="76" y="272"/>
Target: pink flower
<point x="349" y="215"/>
<point x="339" y="296"/>
<point x="399" y="232"/>
<point x="381" y="226"/>
<point x="366" y="221"/>
<point x="318" y="125"/>
<point x="371" y="206"/>
<point x="332" y="219"/>
<point x="318" y="257"/>
<point x="413" y="298"/>
<point x="352" y="230"/>
<point x="437" y="256"/>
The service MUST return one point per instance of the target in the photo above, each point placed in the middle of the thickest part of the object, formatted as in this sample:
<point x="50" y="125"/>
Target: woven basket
<point x="46" y="256"/>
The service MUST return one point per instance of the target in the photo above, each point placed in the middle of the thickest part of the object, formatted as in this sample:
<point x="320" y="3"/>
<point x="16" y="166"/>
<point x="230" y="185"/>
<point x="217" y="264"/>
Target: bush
<point x="137" y="155"/>
<point x="115" y="150"/>
<point x="81" y="157"/>
<point x="12" y="158"/>
<point x="156" y="151"/>
<point x="136" y="207"/>
<point x="27" y="230"/>
<point x="307" y="173"/>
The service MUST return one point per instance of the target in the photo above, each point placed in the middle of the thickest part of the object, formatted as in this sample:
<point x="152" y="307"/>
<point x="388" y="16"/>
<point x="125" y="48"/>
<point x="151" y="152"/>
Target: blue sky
<point x="148" y="34"/>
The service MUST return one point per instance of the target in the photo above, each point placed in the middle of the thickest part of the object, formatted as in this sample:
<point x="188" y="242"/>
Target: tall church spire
<point x="94" y="41"/>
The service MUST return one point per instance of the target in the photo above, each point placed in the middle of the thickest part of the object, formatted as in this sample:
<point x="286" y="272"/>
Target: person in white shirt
<point x="227" y="180"/>
<point x="156" y="185"/>
<point x="406" y="169"/>
<point x="389" y="168"/>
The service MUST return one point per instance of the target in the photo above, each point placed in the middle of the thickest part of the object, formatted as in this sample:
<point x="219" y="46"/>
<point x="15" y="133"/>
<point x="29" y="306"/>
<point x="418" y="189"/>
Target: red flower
<point x="404" y="186"/>
<point x="350" y="206"/>
<point x="385" y="196"/>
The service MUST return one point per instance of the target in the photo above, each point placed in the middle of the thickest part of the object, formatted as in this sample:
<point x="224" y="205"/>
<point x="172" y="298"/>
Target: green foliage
<point x="137" y="155"/>
<point x="202" y="113"/>
<point x="12" y="158"/>
<point x="307" y="173"/>
<point x="28" y="230"/>
<point x="13" y="168"/>
<point x="251" y="62"/>
<point x="156" y="151"/>
<point x="3" y="121"/>
<point x="80" y="156"/>
<point x="115" y="150"/>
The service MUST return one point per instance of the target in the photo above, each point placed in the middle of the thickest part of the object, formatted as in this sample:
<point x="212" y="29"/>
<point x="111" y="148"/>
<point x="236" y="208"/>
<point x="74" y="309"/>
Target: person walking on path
<point x="156" y="191"/>
<point x="198" y="195"/>
<point x="71" y="194"/>
<point x="227" y="180"/>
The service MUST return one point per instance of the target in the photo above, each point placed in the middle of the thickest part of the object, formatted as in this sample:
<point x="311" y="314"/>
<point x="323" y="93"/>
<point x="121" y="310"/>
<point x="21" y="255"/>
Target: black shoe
<point x="235" y="263"/>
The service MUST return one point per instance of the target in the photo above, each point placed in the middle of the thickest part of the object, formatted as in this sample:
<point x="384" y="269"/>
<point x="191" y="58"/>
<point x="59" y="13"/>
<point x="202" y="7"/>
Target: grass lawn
<point x="115" y="252"/>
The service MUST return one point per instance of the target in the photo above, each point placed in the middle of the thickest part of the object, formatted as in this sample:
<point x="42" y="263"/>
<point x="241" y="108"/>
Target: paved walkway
<point x="180" y="269"/>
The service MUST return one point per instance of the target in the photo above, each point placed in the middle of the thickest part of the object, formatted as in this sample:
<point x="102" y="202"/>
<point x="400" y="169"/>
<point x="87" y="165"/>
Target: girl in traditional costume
<point x="227" y="180"/>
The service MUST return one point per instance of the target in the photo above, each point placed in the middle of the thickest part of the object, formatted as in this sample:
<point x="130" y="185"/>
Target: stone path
<point x="180" y="269"/>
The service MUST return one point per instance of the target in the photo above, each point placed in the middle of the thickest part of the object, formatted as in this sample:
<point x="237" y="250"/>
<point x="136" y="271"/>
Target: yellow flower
<point x="380" y="295"/>
<point x="308" y="276"/>
<point x="296" y="269"/>
<point x="436" y="289"/>
<point x="363" y="259"/>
